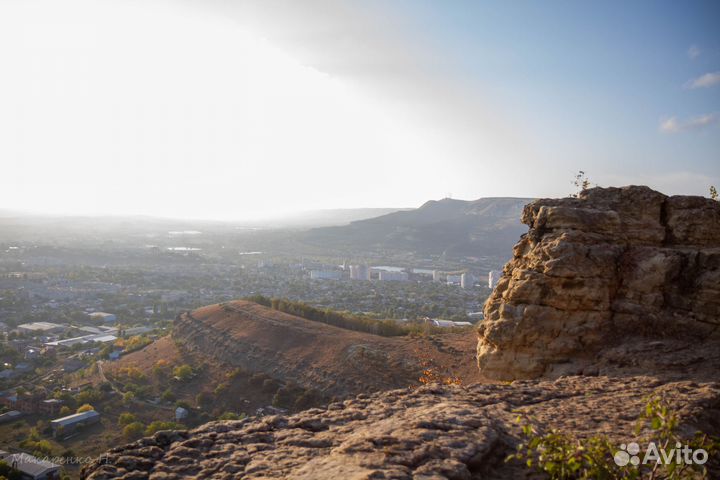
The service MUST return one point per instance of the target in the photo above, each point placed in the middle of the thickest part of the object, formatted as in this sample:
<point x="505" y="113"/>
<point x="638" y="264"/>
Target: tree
<point x="126" y="419"/>
<point x="183" y="372"/>
<point x="231" y="416"/>
<point x="128" y="398"/>
<point x="65" y="411"/>
<point x="85" y="408"/>
<point x="581" y="182"/>
<point x="167" y="395"/>
<point x="713" y="192"/>
<point x="133" y="430"/>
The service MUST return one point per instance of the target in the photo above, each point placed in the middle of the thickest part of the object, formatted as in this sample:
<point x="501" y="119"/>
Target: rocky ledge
<point x="427" y="433"/>
<point x="600" y="277"/>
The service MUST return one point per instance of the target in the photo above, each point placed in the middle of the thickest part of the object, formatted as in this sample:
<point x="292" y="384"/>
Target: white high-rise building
<point x="454" y="279"/>
<point x="467" y="280"/>
<point x="494" y="278"/>
<point x="385" y="276"/>
<point x="436" y="275"/>
<point x="359" y="272"/>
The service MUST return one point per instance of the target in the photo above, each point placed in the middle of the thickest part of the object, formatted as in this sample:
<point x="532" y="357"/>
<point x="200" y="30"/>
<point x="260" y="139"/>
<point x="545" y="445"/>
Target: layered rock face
<point x="430" y="433"/>
<point x="615" y="266"/>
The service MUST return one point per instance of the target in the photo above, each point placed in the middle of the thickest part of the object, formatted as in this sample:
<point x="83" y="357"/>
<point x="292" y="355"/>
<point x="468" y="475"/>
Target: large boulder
<point x="613" y="266"/>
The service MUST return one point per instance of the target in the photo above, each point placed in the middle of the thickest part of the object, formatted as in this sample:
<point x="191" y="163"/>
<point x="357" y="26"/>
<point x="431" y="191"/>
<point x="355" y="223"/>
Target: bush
<point x="167" y="395"/>
<point x="133" y="430"/>
<point x="231" y="416"/>
<point x="128" y="398"/>
<point x="563" y="457"/>
<point x="85" y="408"/>
<point x="126" y="419"/>
<point x="183" y="372"/>
<point x="348" y="321"/>
<point x="88" y="396"/>
<point x="158" y="426"/>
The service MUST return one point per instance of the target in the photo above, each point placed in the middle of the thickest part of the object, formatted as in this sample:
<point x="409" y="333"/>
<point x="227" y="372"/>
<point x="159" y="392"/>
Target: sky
<point x="232" y="109"/>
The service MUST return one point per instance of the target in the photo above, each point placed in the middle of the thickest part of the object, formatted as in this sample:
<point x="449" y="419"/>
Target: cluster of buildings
<point x="463" y="279"/>
<point x="32" y="403"/>
<point x="37" y="403"/>
<point x="53" y="334"/>
<point x="33" y="468"/>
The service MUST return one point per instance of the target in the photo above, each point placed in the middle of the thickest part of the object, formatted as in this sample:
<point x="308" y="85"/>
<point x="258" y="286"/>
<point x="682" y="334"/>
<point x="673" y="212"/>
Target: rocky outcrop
<point x="428" y="433"/>
<point x="614" y="267"/>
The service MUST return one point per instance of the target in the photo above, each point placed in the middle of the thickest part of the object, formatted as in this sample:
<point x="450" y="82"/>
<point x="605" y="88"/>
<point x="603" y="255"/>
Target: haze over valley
<point x="323" y="239"/>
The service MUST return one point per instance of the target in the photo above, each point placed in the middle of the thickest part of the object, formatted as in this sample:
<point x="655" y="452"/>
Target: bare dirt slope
<point x="335" y="361"/>
<point x="276" y="347"/>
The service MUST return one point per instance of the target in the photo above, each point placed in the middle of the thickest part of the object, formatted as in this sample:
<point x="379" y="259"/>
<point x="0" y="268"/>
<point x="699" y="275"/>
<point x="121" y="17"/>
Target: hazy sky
<point x="230" y="109"/>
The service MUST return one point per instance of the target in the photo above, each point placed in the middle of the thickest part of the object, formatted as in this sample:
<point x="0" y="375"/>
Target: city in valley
<point x="75" y="303"/>
<point x="359" y="240"/>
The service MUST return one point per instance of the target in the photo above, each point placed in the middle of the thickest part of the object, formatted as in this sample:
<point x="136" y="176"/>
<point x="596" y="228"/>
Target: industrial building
<point x="65" y="425"/>
<point x="41" y="328"/>
<point x="31" y="467"/>
<point x="102" y="316"/>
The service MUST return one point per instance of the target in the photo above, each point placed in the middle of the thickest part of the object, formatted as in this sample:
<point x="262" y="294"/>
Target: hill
<point x="607" y="322"/>
<point x="483" y="227"/>
<point x="246" y="356"/>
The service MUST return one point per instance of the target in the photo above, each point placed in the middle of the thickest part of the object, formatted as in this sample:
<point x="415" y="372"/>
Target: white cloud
<point x="704" y="81"/>
<point x="693" y="52"/>
<point x="673" y="125"/>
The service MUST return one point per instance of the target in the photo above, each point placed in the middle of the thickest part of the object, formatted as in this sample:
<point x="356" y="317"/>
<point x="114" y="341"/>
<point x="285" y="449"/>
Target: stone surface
<point x="614" y="266"/>
<point x="428" y="433"/>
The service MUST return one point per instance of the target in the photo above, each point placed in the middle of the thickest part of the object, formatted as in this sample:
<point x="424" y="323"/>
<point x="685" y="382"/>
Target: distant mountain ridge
<point x="487" y="226"/>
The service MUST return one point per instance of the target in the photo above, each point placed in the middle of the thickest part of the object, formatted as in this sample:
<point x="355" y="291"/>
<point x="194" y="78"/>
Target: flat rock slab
<point x="432" y="432"/>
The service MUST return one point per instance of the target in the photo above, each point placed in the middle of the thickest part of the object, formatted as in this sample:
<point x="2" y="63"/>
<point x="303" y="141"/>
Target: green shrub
<point x="133" y="430"/>
<point x="126" y="419"/>
<point x="348" y="321"/>
<point x="158" y="426"/>
<point x="183" y="372"/>
<point x="563" y="457"/>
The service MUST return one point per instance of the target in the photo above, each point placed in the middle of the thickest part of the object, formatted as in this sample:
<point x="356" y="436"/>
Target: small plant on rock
<point x="563" y="457"/>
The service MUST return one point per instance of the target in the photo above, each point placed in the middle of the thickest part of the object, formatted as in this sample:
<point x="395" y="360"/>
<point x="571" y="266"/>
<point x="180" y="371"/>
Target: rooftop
<point x="74" y="418"/>
<point x="40" y="326"/>
<point x="28" y="464"/>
